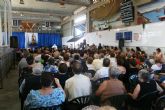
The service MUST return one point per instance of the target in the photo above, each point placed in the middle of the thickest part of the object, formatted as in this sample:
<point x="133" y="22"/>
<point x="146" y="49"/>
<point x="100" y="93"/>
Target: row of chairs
<point x="147" y="102"/>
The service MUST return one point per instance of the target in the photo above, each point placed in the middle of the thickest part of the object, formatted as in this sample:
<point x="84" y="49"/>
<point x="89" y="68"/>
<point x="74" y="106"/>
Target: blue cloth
<point x="21" y="38"/>
<point x="36" y="100"/>
<point x="49" y="39"/>
<point x="50" y="68"/>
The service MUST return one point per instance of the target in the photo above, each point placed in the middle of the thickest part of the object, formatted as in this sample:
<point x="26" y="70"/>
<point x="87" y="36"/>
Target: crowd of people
<point x="51" y="77"/>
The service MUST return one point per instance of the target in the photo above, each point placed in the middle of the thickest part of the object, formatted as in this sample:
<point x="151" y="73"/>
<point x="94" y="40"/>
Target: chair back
<point x="92" y="72"/>
<point x="145" y="102"/>
<point x="101" y="80"/>
<point x="96" y="84"/>
<point x="163" y="66"/>
<point x="81" y="100"/>
<point x="118" y="101"/>
<point x="160" y="103"/>
<point x="46" y="108"/>
<point x="79" y="103"/>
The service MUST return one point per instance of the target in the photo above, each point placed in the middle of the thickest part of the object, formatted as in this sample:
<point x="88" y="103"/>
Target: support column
<point x="0" y="29"/>
<point x="5" y="23"/>
<point x="88" y="23"/>
<point x="9" y="22"/>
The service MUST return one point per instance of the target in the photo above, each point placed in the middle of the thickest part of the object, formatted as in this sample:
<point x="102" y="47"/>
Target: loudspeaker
<point x="13" y="42"/>
<point x="121" y="42"/>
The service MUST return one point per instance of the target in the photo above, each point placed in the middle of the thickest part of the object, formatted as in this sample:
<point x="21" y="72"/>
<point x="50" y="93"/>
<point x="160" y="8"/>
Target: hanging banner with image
<point x="31" y="40"/>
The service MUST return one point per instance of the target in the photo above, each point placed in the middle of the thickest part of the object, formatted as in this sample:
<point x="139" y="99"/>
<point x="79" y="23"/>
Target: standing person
<point x="159" y="55"/>
<point x="100" y="47"/>
<point x="78" y="85"/>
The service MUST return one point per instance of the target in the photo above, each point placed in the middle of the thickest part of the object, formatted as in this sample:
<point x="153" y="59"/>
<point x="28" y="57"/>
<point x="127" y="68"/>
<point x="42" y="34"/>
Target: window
<point x="80" y="25"/>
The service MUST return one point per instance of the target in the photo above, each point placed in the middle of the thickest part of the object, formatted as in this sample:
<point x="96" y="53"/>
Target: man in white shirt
<point x="97" y="63"/>
<point x="104" y="71"/>
<point x="78" y="85"/>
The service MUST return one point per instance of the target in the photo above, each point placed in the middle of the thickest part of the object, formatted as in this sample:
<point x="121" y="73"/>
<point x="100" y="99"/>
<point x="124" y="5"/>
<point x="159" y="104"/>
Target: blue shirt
<point x="36" y="100"/>
<point x="51" y="68"/>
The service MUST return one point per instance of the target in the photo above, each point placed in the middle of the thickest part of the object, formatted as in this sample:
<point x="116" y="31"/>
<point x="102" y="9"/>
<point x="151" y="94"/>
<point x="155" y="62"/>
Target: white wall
<point x="149" y="39"/>
<point x="67" y="29"/>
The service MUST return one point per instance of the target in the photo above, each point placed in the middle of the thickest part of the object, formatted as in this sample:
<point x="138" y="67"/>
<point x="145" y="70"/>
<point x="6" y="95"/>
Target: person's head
<point x="89" y="60"/>
<point x="63" y="68"/>
<point x="66" y="57"/>
<point x="143" y="75"/>
<point x="96" y="56"/>
<point x="76" y="57"/>
<point x="46" y="79"/>
<point x="81" y="54"/>
<point x="51" y="61"/>
<point x="106" y="62"/>
<point x="101" y="55"/>
<point x="107" y="108"/>
<point x="30" y="60"/>
<point x="132" y="62"/>
<point x="120" y="61"/>
<point x="112" y="54"/>
<point x="77" y="67"/>
<point x="158" y="50"/>
<point x="25" y="53"/>
<point x="114" y="73"/>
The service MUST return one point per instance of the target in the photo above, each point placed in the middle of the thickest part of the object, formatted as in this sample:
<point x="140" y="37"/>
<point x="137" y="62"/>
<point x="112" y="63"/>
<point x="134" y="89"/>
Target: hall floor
<point x="9" y="99"/>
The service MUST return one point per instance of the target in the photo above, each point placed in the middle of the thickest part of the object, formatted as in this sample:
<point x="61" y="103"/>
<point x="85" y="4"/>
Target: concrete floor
<point x="9" y="99"/>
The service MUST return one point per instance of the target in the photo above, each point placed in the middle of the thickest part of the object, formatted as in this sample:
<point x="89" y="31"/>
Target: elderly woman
<point x="46" y="96"/>
<point x="145" y="86"/>
<point x="111" y="87"/>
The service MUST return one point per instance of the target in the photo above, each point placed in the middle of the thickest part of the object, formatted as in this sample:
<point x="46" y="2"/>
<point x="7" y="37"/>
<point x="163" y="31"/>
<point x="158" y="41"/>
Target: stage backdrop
<point x="26" y="40"/>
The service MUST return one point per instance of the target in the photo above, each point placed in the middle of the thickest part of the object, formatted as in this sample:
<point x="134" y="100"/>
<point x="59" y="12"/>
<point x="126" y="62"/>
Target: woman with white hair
<point x="146" y="85"/>
<point x="111" y="87"/>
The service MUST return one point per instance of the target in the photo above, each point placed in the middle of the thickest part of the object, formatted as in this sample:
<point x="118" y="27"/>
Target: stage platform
<point x="7" y="56"/>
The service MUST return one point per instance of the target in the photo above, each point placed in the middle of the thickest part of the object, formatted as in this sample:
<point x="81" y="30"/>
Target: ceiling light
<point x="21" y="2"/>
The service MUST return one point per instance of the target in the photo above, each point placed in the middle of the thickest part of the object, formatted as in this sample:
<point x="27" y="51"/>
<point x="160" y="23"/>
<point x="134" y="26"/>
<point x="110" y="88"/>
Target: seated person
<point x="157" y="66"/>
<point x="62" y="75"/>
<point x="50" y="67"/>
<point x="104" y="71"/>
<point x="46" y="96"/>
<point x="120" y="65"/>
<point x="23" y="63"/>
<point x="66" y="59"/>
<point x="30" y="82"/>
<point x="133" y="70"/>
<point x="145" y="86"/>
<point x="89" y="64"/>
<point x="78" y="85"/>
<point x="111" y="87"/>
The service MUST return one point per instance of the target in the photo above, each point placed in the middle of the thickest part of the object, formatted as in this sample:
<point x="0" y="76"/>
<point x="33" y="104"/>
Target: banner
<point x="31" y="39"/>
